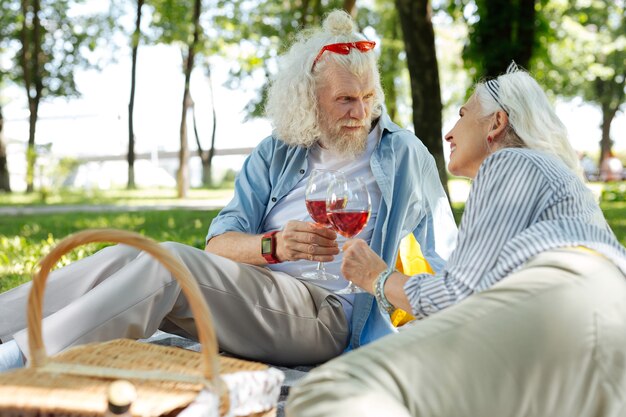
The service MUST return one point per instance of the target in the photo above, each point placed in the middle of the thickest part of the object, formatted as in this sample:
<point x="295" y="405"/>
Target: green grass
<point x="457" y="211"/>
<point x="24" y="240"/>
<point x="615" y="214"/>
<point x="111" y="197"/>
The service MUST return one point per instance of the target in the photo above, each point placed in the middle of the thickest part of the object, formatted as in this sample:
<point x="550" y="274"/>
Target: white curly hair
<point x="292" y="97"/>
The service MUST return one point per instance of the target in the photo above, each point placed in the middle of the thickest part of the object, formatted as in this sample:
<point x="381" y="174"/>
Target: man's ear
<point x="498" y="125"/>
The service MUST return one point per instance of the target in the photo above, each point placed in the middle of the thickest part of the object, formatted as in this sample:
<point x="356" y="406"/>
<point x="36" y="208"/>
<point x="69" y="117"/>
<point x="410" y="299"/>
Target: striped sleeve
<point x="505" y="199"/>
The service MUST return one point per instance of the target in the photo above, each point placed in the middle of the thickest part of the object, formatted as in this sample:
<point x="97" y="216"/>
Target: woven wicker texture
<point x="74" y="382"/>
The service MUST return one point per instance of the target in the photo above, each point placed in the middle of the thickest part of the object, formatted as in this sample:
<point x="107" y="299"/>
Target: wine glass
<point x="315" y="199"/>
<point x="348" y="207"/>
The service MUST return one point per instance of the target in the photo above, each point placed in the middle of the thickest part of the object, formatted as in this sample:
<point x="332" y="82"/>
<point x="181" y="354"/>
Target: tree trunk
<point x="419" y="41"/>
<point x="350" y="7"/>
<point x="206" y="157"/>
<point x="182" y="178"/>
<point x="611" y="96"/>
<point x="131" y="104"/>
<point x="608" y="114"/>
<point x="31" y="152"/>
<point x="183" y="165"/>
<point x="5" y="183"/>
<point x="206" y="168"/>
<point x="214" y="115"/>
<point x="31" y="56"/>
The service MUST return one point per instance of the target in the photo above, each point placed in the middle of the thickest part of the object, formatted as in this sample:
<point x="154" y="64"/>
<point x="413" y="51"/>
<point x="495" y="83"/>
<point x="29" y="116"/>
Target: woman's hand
<point x="303" y="240"/>
<point x="360" y="264"/>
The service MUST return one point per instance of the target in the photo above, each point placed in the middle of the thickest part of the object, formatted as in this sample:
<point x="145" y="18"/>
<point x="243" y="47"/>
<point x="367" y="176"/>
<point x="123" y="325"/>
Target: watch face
<point x="266" y="245"/>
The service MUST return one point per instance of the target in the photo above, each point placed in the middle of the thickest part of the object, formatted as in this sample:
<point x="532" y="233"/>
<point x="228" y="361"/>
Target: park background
<point x="138" y="114"/>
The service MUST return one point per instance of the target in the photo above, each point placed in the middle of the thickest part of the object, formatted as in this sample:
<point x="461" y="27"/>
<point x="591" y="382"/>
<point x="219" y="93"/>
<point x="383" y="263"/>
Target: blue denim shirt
<point x="412" y="201"/>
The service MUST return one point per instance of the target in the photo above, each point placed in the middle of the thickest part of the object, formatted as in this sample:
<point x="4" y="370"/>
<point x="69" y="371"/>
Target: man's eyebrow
<point x="346" y="93"/>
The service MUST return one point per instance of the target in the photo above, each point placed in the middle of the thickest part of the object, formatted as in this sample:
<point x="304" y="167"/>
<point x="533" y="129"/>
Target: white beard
<point x="349" y="144"/>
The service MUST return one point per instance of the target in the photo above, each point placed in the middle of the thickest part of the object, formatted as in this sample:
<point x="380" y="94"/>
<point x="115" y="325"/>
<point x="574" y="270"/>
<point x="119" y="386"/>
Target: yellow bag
<point x="410" y="261"/>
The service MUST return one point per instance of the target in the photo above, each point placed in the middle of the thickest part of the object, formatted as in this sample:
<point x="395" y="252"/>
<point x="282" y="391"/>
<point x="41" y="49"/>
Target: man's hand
<point x="360" y="264"/>
<point x="302" y="240"/>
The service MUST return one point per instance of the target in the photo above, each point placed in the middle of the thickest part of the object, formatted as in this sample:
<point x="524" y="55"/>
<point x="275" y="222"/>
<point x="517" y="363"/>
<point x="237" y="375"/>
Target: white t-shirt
<point x="292" y="207"/>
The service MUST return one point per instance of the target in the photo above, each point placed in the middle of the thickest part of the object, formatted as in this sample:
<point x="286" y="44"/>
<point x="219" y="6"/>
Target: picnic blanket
<point x="292" y="375"/>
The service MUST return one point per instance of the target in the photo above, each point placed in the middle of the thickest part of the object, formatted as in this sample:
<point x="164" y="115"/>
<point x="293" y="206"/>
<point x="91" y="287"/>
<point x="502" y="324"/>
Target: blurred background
<point x="98" y="94"/>
<point x="137" y="114"/>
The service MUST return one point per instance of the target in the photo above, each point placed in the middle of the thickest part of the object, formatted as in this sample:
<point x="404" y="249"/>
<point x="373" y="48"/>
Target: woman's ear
<point x="498" y="125"/>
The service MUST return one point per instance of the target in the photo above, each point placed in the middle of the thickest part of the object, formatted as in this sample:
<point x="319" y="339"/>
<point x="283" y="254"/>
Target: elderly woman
<point x="541" y="330"/>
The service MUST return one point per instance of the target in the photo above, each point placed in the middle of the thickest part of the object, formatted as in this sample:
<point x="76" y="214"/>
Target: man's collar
<point x="386" y="123"/>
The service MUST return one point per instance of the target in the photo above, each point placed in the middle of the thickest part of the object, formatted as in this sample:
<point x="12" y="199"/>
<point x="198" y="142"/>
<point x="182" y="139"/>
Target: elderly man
<point x="326" y="107"/>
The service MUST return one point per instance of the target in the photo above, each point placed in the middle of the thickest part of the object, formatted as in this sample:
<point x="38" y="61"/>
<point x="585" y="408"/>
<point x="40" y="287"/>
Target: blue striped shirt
<point x="522" y="202"/>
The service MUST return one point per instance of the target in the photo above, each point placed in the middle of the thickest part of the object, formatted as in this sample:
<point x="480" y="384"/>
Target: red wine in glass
<point x="315" y="200"/>
<point x="348" y="223"/>
<point x="348" y="207"/>
<point x="317" y="210"/>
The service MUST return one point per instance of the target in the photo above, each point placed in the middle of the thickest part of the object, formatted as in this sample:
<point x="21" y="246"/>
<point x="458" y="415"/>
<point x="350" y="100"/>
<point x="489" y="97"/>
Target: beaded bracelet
<point x="379" y="291"/>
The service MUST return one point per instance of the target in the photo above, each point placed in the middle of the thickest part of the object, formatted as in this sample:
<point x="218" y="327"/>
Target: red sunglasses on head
<point x="344" y="49"/>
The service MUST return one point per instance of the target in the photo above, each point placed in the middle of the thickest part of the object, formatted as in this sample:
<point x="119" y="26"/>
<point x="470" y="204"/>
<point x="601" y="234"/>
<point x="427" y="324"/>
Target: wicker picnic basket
<point x="167" y="379"/>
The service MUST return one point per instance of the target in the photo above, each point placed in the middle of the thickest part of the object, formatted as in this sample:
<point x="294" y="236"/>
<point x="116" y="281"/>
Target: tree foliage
<point x="51" y="42"/>
<point x="252" y="34"/>
<point x="576" y="48"/>
<point x="587" y="56"/>
<point x="248" y="33"/>
<point x="499" y="31"/>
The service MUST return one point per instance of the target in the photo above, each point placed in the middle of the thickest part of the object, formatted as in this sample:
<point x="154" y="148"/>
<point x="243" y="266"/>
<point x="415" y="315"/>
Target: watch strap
<point x="269" y="252"/>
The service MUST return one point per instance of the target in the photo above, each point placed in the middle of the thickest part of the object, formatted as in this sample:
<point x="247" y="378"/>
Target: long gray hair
<point x="533" y="122"/>
<point x="292" y="96"/>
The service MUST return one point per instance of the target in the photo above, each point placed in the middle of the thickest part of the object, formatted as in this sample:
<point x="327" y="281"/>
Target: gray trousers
<point x="549" y="340"/>
<point x="121" y="292"/>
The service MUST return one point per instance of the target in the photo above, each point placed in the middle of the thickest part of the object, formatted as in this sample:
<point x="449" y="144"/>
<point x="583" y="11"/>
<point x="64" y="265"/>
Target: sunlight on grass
<point x="24" y="240"/>
<point x="113" y="197"/>
<point x="615" y="214"/>
<point x="127" y="221"/>
<point x="19" y="257"/>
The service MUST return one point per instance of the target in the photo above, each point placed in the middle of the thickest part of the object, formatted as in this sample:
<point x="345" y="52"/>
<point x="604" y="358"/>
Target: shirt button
<point x="273" y="199"/>
<point x="301" y="171"/>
